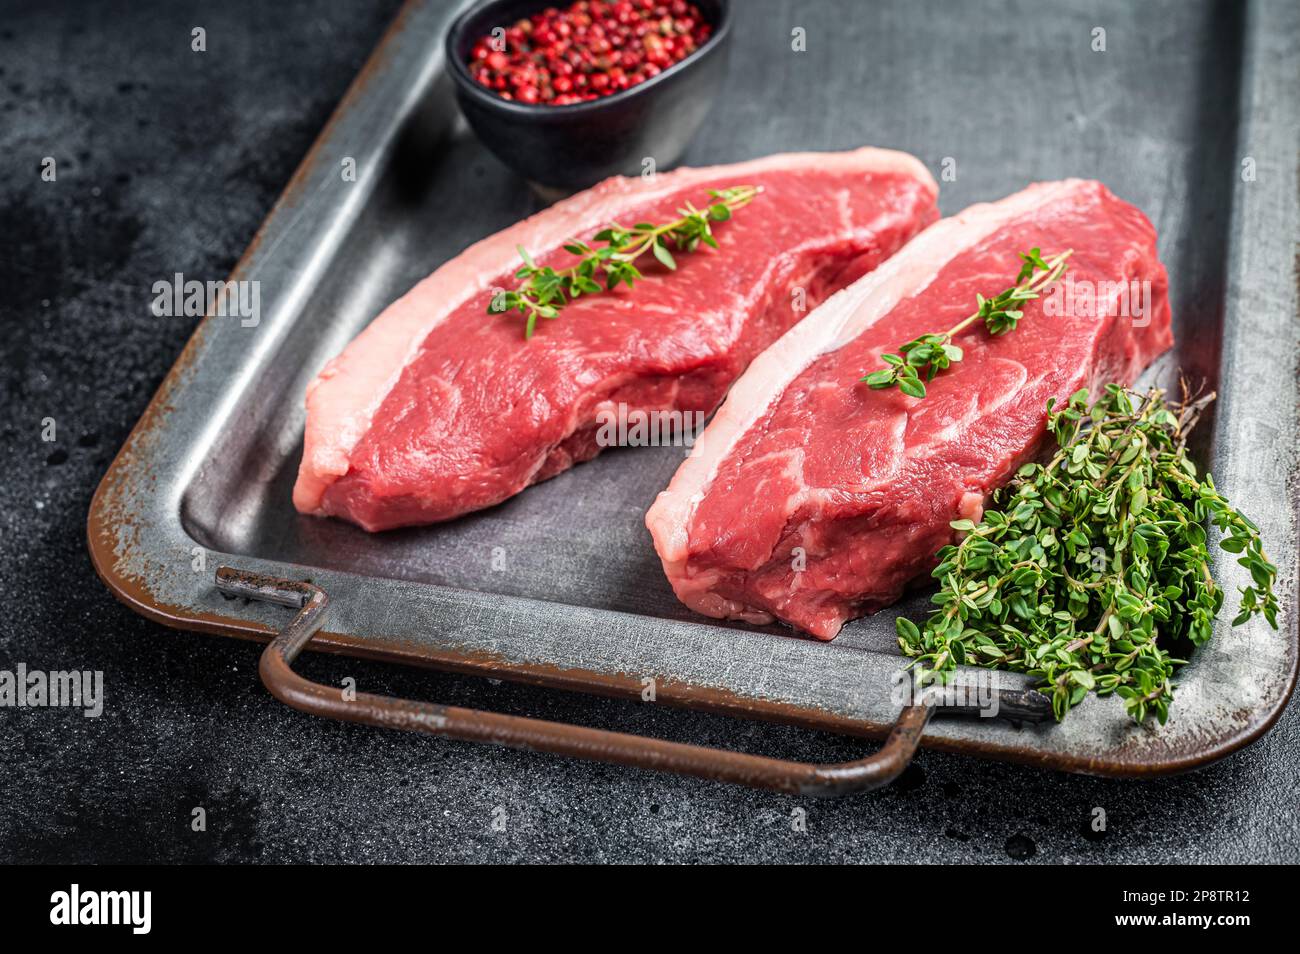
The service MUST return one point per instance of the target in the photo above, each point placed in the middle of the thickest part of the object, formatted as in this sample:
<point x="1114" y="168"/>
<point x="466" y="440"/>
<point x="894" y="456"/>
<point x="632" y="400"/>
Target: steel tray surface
<point x="1190" y="111"/>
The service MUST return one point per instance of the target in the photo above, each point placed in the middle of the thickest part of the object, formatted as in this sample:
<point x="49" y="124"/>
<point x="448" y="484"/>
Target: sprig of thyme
<point x="545" y="290"/>
<point x="1090" y="570"/>
<point x="932" y="353"/>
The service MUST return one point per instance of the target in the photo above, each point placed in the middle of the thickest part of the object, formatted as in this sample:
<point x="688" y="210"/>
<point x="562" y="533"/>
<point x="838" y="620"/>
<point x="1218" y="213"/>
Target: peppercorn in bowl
<point x="569" y="95"/>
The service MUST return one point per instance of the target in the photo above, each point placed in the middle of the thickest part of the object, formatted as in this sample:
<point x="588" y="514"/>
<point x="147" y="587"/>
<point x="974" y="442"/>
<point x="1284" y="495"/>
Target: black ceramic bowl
<point x="572" y="147"/>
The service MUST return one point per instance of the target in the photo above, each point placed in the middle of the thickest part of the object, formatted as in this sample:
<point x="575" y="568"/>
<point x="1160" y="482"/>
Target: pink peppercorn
<point x="590" y="49"/>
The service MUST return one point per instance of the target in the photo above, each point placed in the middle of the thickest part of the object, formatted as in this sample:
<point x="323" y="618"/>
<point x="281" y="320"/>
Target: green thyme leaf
<point x="665" y="257"/>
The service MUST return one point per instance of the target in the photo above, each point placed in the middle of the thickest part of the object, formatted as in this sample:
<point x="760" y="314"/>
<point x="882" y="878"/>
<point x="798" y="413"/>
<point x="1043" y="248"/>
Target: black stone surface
<point x="166" y="161"/>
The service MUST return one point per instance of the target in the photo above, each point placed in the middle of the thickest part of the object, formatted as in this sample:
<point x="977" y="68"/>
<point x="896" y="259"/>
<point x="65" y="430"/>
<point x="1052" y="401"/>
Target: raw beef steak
<point x="439" y="408"/>
<point x="813" y="499"/>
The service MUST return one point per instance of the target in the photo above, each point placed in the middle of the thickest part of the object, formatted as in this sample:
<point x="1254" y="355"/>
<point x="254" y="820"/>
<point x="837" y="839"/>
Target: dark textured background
<point x="167" y="161"/>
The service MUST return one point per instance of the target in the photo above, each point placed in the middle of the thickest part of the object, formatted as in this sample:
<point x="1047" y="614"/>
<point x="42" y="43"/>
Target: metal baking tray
<point x="1190" y="111"/>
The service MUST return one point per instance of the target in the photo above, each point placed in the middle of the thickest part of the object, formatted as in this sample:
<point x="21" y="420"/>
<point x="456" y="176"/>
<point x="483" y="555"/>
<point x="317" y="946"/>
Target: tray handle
<point x="519" y="732"/>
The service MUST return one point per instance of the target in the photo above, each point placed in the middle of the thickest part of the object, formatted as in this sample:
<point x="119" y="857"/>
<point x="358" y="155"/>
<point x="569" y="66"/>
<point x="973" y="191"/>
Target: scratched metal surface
<point x="1182" y="94"/>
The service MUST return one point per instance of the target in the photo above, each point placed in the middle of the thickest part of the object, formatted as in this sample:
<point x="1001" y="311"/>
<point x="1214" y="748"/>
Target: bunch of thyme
<point x="545" y="291"/>
<point x="932" y="353"/>
<point x="1093" y="568"/>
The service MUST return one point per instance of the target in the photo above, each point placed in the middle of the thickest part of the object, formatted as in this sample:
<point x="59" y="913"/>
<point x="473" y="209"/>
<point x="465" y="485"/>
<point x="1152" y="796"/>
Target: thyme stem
<point x="545" y="290"/>
<point x="931" y="353"/>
